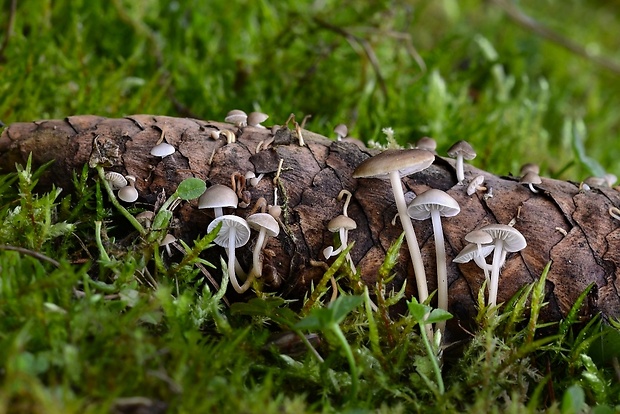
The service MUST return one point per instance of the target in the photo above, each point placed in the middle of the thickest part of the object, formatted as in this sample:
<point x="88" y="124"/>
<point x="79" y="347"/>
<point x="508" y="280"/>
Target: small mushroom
<point x="256" y="118"/>
<point x="146" y="218"/>
<point x="236" y="117"/>
<point x="251" y="177"/>
<point x="167" y="241"/>
<point x="506" y="239"/>
<point x="434" y="204"/>
<point x="392" y="165"/>
<point x="217" y="197"/>
<point x="530" y="178"/>
<point x="529" y="167"/>
<point x="162" y="150"/>
<point x="129" y="194"/>
<point x="267" y="226"/>
<point x="341" y="225"/>
<point x="341" y="131"/>
<point x="116" y="180"/>
<point x="427" y="143"/>
<point x="476" y="185"/>
<point x="479" y="237"/>
<point x="461" y="150"/>
<point x="234" y="233"/>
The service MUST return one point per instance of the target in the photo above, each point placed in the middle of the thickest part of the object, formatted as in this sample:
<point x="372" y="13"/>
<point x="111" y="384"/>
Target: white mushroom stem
<point x="257" y="266"/>
<point x="532" y="189"/>
<point x="410" y="236"/>
<point x="232" y="265"/>
<point x="498" y="252"/>
<point x="442" y="271"/>
<point x="460" y="174"/>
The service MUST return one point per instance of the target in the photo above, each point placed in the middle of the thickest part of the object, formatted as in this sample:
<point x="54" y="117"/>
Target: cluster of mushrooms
<point x="392" y="164"/>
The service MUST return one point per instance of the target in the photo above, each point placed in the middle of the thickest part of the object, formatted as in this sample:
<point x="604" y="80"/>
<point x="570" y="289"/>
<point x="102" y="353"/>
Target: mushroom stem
<point x="479" y="259"/>
<point x="532" y="189"/>
<point x="460" y="174"/>
<point x="410" y="236"/>
<point x="232" y="265"/>
<point x="442" y="271"/>
<point x="497" y="262"/>
<point x="257" y="267"/>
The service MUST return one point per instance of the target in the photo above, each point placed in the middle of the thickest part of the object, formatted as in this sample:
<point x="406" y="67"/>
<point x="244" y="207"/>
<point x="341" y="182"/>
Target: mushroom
<point x="237" y="117"/>
<point x="506" y="239"/>
<point x="146" y="218"/>
<point x="529" y="167"/>
<point x="129" y="194"/>
<point x="251" y="177"/>
<point x="256" y="118"/>
<point x="475" y="185"/>
<point x="392" y="165"/>
<point x="234" y="233"/>
<point x="217" y="197"/>
<point x="162" y="150"/>
<point x="341" y="225"/>
<point x="479" y="237"/>
<point x="167" y="241"/>
<point x="427" y="143"/>
<point x="435" y="204"/>
<point x="461" y="150"/>
<point x="267" y="226"/>
<point x="341" y="131"/>
<point x="116" y="180"/>
<point x="529" y="179"/>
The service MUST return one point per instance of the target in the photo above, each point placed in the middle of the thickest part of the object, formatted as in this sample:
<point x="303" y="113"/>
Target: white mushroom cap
<point x="217" y="197"/>
<point x="116" y="180"/>
<point x="341" y="222"/>
<point x="237" y="117"/>
<point x="162" y="150"/>
<point x="230" y="222"/>
<point x="406" y="162"/>
<point x="530" y="178"/>
<point x="479" y="237"/>
<point x="470" y="252"/>
<point x="475" y="185"/>
<point x="265" y="221"/>
<point x="256" y="118"/>
<point x="512" y="238"/>
<point x="128" y="194"/>
<point x="433" y="199"/>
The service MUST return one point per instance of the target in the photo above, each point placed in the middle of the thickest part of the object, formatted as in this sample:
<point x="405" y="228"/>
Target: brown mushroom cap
<point x="426" y="143"/>
<point x="525" y="168"/>
<point x="406" y="162"/>
<point x="530" y="178"/>
<point x="256" y="118"/>
<point x="341" y="130"/>
<point x="462" y="148"/>
<point x="341" y="222"/>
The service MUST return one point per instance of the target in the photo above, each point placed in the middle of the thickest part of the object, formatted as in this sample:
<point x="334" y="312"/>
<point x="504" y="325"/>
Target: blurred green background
<point x="445" y="68"/>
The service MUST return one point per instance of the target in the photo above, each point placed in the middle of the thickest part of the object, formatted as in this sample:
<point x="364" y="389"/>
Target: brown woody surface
<point x="570" y="228"/>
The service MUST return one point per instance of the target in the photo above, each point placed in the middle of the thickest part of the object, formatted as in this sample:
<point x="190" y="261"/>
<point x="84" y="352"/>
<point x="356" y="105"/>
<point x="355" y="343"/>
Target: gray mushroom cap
<point x="512" y="238"/>
<point x="162" y="150"/>
<point x="264" y="221"/>
<point x="462" y="148"/>
<point x="256" y="118"/>
<point x="237" y="117"/>
<point x="218" y="196"/>
<point x="341" y="130"/>
<point x="470" y="252"/>
<point x="479" y="237"/>
<point x="421" y="206"/>
<point x="128" y="194"/>
<point x="406" y="162"/>
<point x="116" y="180"/>
<point x="230" y="222"/>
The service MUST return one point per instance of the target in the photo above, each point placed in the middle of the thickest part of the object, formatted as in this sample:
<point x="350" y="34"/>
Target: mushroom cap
<point x="265" y="221"/>
<point x="341" y="130"/>
<point x="426" y="143"/>
<point x="433" y="199"/>
<point x="462" y="148"/>
<point x="256" y="118"/>
<point x="470" y="251"/>
<point x="513" y="239"/>
<point x="218" y="196"/>
<point x="530" y="166"/>
<point x="162" y="150"/>
<point x="474" y="184"/>
<point x="168" y="238"/>
<point x="341" y="222"/>
<point x="116" y="180"/>
<point x="479" y="237"/>
<point x="128" y="194"/>
<point x="530" y="177"/>
<point x="236" y="116"/>
<point x="229" y="222"/>
<point x="406" y="162"/>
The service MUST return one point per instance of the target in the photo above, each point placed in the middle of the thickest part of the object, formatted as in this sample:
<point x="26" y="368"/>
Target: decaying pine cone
<point x="561" y="224"/>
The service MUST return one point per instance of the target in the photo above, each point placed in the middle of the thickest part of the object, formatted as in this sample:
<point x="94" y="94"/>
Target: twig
<point x="527" y="22"/>
<point x="31" y="253"/>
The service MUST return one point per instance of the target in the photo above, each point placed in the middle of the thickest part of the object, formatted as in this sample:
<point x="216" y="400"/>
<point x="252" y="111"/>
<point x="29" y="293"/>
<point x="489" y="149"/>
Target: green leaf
<point x="343" y="305"/>
<point x="418" y="310"/>
<point x="573" y="400"/>
<point x="438" y="315"/>
<point x="191" y="188"/>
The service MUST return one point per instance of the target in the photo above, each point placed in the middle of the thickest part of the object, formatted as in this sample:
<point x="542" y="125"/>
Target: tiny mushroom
<point x="237" y="117"/>
<point x="461" y="150"/>
<point x="392" y="165"/>
<point x="530" y="178"/>
<point x="116" y="180"/>
<point x="471" y="252"/>
<point x="475" y="185"/>
<point x="129" y="194"/>
<point x="478" y="238"/>
<point x="506" y="239"/>
<point x="341" y="131"/>
<point x="162" y="150"/>
<point x="217" y="197"/>
<point x="341" y="225"/>
<point x="427" y="143"/>
<point x="434" y="204"/>
<point x="267" y="226"/>
<point x="529" y="167"/>
<point x="167" y="241"/>
<point x="234" y="233"/>
<point x="256" y="118"/>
